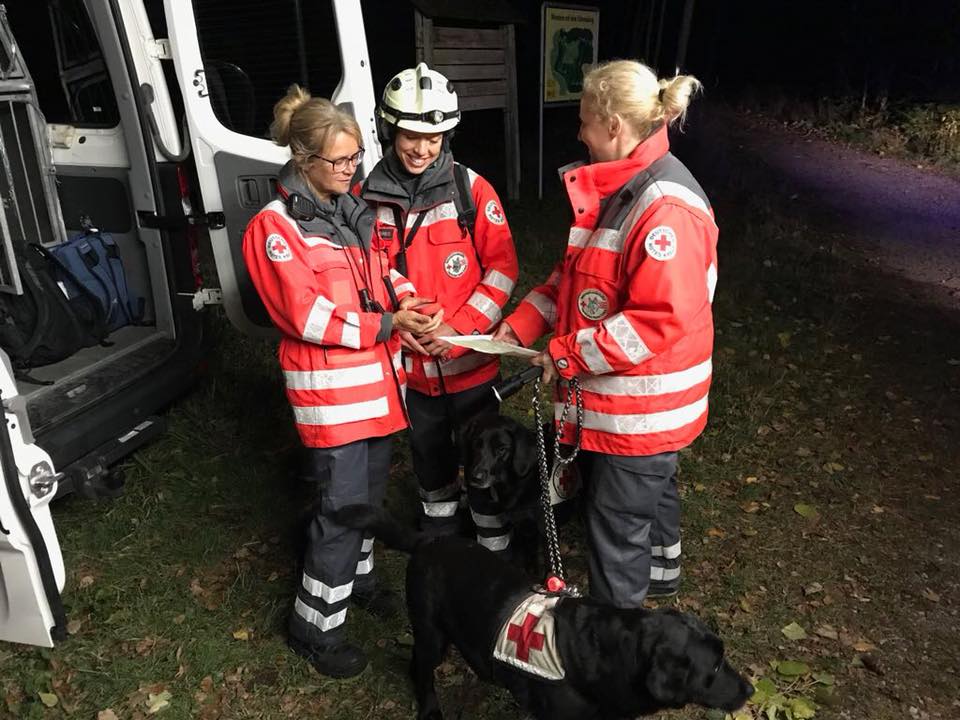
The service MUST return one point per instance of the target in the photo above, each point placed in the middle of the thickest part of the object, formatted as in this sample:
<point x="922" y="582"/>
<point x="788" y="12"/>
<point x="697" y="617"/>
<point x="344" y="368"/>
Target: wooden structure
<point x="473" y="44"/>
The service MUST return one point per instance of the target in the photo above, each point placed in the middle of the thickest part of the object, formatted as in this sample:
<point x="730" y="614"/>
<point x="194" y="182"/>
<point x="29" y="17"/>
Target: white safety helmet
<point x="421" y="100"/>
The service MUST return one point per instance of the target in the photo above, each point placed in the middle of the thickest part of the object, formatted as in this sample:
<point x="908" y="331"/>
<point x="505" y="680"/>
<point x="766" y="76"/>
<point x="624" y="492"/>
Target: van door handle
<point x="249" y="192"/>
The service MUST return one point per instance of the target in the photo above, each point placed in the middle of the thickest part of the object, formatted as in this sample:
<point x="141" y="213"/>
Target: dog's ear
<point x="667" y="676"/>
<point x="524" y="450"/>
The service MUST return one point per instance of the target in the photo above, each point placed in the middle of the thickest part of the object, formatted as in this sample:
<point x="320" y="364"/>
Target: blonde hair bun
<point x="307" y="124"/>
<point x="632" y="90"/>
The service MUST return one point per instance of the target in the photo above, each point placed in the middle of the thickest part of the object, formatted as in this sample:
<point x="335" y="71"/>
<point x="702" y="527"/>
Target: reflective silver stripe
<point x="406" y="287"/>
<point x="444" y="493"/>
<point x="317" y="619"/>
<point x="318" y="319"/>
<point x="351" y="331"/>
<point x="397" y="359"/>
<point x="365" y="566"/>
<point x="326" y="593"/>
<point x="711" y="281"/>
<point x="627" y="338"/>
<point x="495" y="278"/>
<point x="554" y="278"/>
<point x="488" y="521"/>
<point x="472" y="176"/>
<point x="579" y="237"/>
<point x="671" y="552"/>
<point x="592" y="355"/>
<point x="456" y="366"/>
<point x="339" y="414"/>
<point x="498" y="542"/>
<point x="642" y="385"/>
<point x="657" y="191"/>
<point x="607" y="239"/>
<point x="385" y="215"/>
<point x="664" y="574"/>
<point x="408" y="363"/>
<point x="440" y="509"/>
<point x="280" y="208"/>
<point x="332" y="379"/>
<point x="444" y="211"/>
<point x="481" y="303"/>
<point x="544" y="305"/>
<point x="367" y="545"/>
<point x="640" y="423"/>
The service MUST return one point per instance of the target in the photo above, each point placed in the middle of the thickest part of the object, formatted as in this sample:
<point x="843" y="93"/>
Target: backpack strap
<point x="466" y="209"/>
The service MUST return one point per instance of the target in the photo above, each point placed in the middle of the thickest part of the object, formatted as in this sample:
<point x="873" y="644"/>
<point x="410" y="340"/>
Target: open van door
<point x="237" y="172"/>
<point x="31" y="566"/>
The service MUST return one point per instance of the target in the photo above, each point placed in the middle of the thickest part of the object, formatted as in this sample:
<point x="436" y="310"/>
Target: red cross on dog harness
<point x="527" y="640"/>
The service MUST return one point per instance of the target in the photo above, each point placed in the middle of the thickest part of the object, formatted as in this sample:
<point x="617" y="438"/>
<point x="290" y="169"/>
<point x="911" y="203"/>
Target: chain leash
<point x="559" y="464"/>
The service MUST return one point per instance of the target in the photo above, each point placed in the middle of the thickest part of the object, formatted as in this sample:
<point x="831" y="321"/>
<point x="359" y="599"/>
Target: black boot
<point x="379" y="601"/>
<point x="341" y="660"/>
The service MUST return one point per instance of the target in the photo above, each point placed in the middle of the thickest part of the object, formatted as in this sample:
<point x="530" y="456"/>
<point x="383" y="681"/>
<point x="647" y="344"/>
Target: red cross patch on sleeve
<point x="661" y="243"/>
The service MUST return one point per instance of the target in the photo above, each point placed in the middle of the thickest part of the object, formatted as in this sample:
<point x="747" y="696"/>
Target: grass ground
<point x="821" y="495"/>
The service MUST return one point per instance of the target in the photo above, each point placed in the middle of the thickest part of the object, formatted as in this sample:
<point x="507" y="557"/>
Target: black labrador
<point x="501" y="454"/>
<point x="617" y="663"/>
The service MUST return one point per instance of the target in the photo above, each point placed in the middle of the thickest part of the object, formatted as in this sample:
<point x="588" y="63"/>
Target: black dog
<point x="501" y="454"/>
<point x="617" y="663"/>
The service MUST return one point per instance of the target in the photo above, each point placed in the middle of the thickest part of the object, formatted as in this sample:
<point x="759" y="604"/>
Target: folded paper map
<point x="486" y="344"/>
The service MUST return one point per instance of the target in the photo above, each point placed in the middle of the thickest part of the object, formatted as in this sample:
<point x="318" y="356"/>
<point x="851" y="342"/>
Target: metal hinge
<point x="159" y="49"/>
<point x="204" y="297"/>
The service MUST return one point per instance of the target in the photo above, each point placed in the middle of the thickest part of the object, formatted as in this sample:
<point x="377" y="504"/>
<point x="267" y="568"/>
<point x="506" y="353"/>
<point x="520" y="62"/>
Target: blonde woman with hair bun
<point x="325" y="280"/>
<point x="629" y="307"/>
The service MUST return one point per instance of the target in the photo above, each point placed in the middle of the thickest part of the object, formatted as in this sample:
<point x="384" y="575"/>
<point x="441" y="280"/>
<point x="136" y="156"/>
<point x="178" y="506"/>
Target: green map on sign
<point x="569" y="52"/>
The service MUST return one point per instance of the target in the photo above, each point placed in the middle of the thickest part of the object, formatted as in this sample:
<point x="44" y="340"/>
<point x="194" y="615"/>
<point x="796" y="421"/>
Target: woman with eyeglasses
<point x="324" y="279"/>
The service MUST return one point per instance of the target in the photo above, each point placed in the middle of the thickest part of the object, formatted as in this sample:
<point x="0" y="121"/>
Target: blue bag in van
<point x="92" y="259"/>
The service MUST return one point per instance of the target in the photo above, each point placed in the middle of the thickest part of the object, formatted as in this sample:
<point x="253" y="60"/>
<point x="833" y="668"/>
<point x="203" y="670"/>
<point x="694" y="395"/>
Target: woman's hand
<point x="414" y="322"/>
<point x="545" y="361"/>
<point x="505" y="333"/>
<point x="408" y="341"/>
<point x="434" y="344"/>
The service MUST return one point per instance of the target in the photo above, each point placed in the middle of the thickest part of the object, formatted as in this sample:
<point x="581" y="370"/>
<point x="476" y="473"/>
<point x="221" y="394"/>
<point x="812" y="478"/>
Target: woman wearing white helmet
<point x="449" y="236"/>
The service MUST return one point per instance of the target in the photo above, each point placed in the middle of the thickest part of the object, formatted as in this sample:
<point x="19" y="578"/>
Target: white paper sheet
<point x="486" y="344"/>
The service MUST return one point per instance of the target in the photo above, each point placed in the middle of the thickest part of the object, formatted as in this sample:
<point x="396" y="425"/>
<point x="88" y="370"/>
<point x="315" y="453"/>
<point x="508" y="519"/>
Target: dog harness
<point x="527" y="641"/>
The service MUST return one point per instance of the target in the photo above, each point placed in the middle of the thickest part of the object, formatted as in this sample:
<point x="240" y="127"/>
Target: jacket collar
<point x="588" y="184"/>
<point x="343" y="214"/>
<point x="437" y="185"/>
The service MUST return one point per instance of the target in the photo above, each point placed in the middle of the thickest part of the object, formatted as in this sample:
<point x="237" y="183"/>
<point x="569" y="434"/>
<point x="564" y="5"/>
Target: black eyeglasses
<point x="341" y="164"/>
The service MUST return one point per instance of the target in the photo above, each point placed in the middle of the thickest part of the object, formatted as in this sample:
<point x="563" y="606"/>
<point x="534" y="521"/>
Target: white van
<point x="143" y="116"/>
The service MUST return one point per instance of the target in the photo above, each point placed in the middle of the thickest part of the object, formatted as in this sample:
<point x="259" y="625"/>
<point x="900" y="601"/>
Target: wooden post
<point x="511" y="121"/>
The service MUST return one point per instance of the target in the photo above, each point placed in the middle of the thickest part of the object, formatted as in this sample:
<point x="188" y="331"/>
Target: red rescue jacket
<point x="630" y="303"/>
<point x="471" y="278"/>
<point x="341" y="364"/>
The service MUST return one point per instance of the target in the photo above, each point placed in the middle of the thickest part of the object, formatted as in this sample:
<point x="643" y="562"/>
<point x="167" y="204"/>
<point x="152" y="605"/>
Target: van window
<point x="253" y="50"/>
<point x="61" y="51"/>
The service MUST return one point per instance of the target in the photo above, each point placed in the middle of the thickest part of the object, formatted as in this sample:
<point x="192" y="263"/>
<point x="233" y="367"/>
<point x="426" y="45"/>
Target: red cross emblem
<point x="661" y="243"/>
<point x="524" y="636"/>
<point x="278" y="246"/>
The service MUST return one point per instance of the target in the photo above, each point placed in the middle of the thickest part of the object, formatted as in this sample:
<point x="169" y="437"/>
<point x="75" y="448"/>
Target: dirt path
<point x="896" y="216"/>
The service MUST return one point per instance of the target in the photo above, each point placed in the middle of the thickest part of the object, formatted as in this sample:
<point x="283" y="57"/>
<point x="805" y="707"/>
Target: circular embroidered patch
<point x="661" y="243"/>
<point x="565" y="483"/>
<point x="456" y="264"/>
<point x="277" y="248"/>
<point x="592" y="304"/>
<point x="494" y="213"/>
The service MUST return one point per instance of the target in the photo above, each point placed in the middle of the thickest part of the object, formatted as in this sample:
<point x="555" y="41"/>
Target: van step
<point x="94" y="475"/>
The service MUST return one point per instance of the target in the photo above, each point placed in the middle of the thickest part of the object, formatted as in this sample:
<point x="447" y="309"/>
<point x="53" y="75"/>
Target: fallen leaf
<point x="178" y="620"/>
<point x="73" y="627"/>
<point x="813" y="588"/>
<point x="793" y="631"/>
<point x="241" y="634"/>
<point x="86" y="581"/>
<point x="806" y="511"/>
<point x="804" y="452"/>
<point x="750" y="507"/>
<point x="107" y="714"/>
<point x="48" y="699"/>
<point x="827" y="631"/>
<point x="792" y="668"/>
<point x="784" y="338"/>
<point x="931" y="595"/>
<point x="157" y="702"/>
<point x="864" y="646"/>
<point x="716" y="532"/>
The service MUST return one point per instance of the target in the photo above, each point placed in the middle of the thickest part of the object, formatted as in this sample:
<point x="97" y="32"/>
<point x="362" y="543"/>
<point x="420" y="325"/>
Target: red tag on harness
<point x="554" y="584"/>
